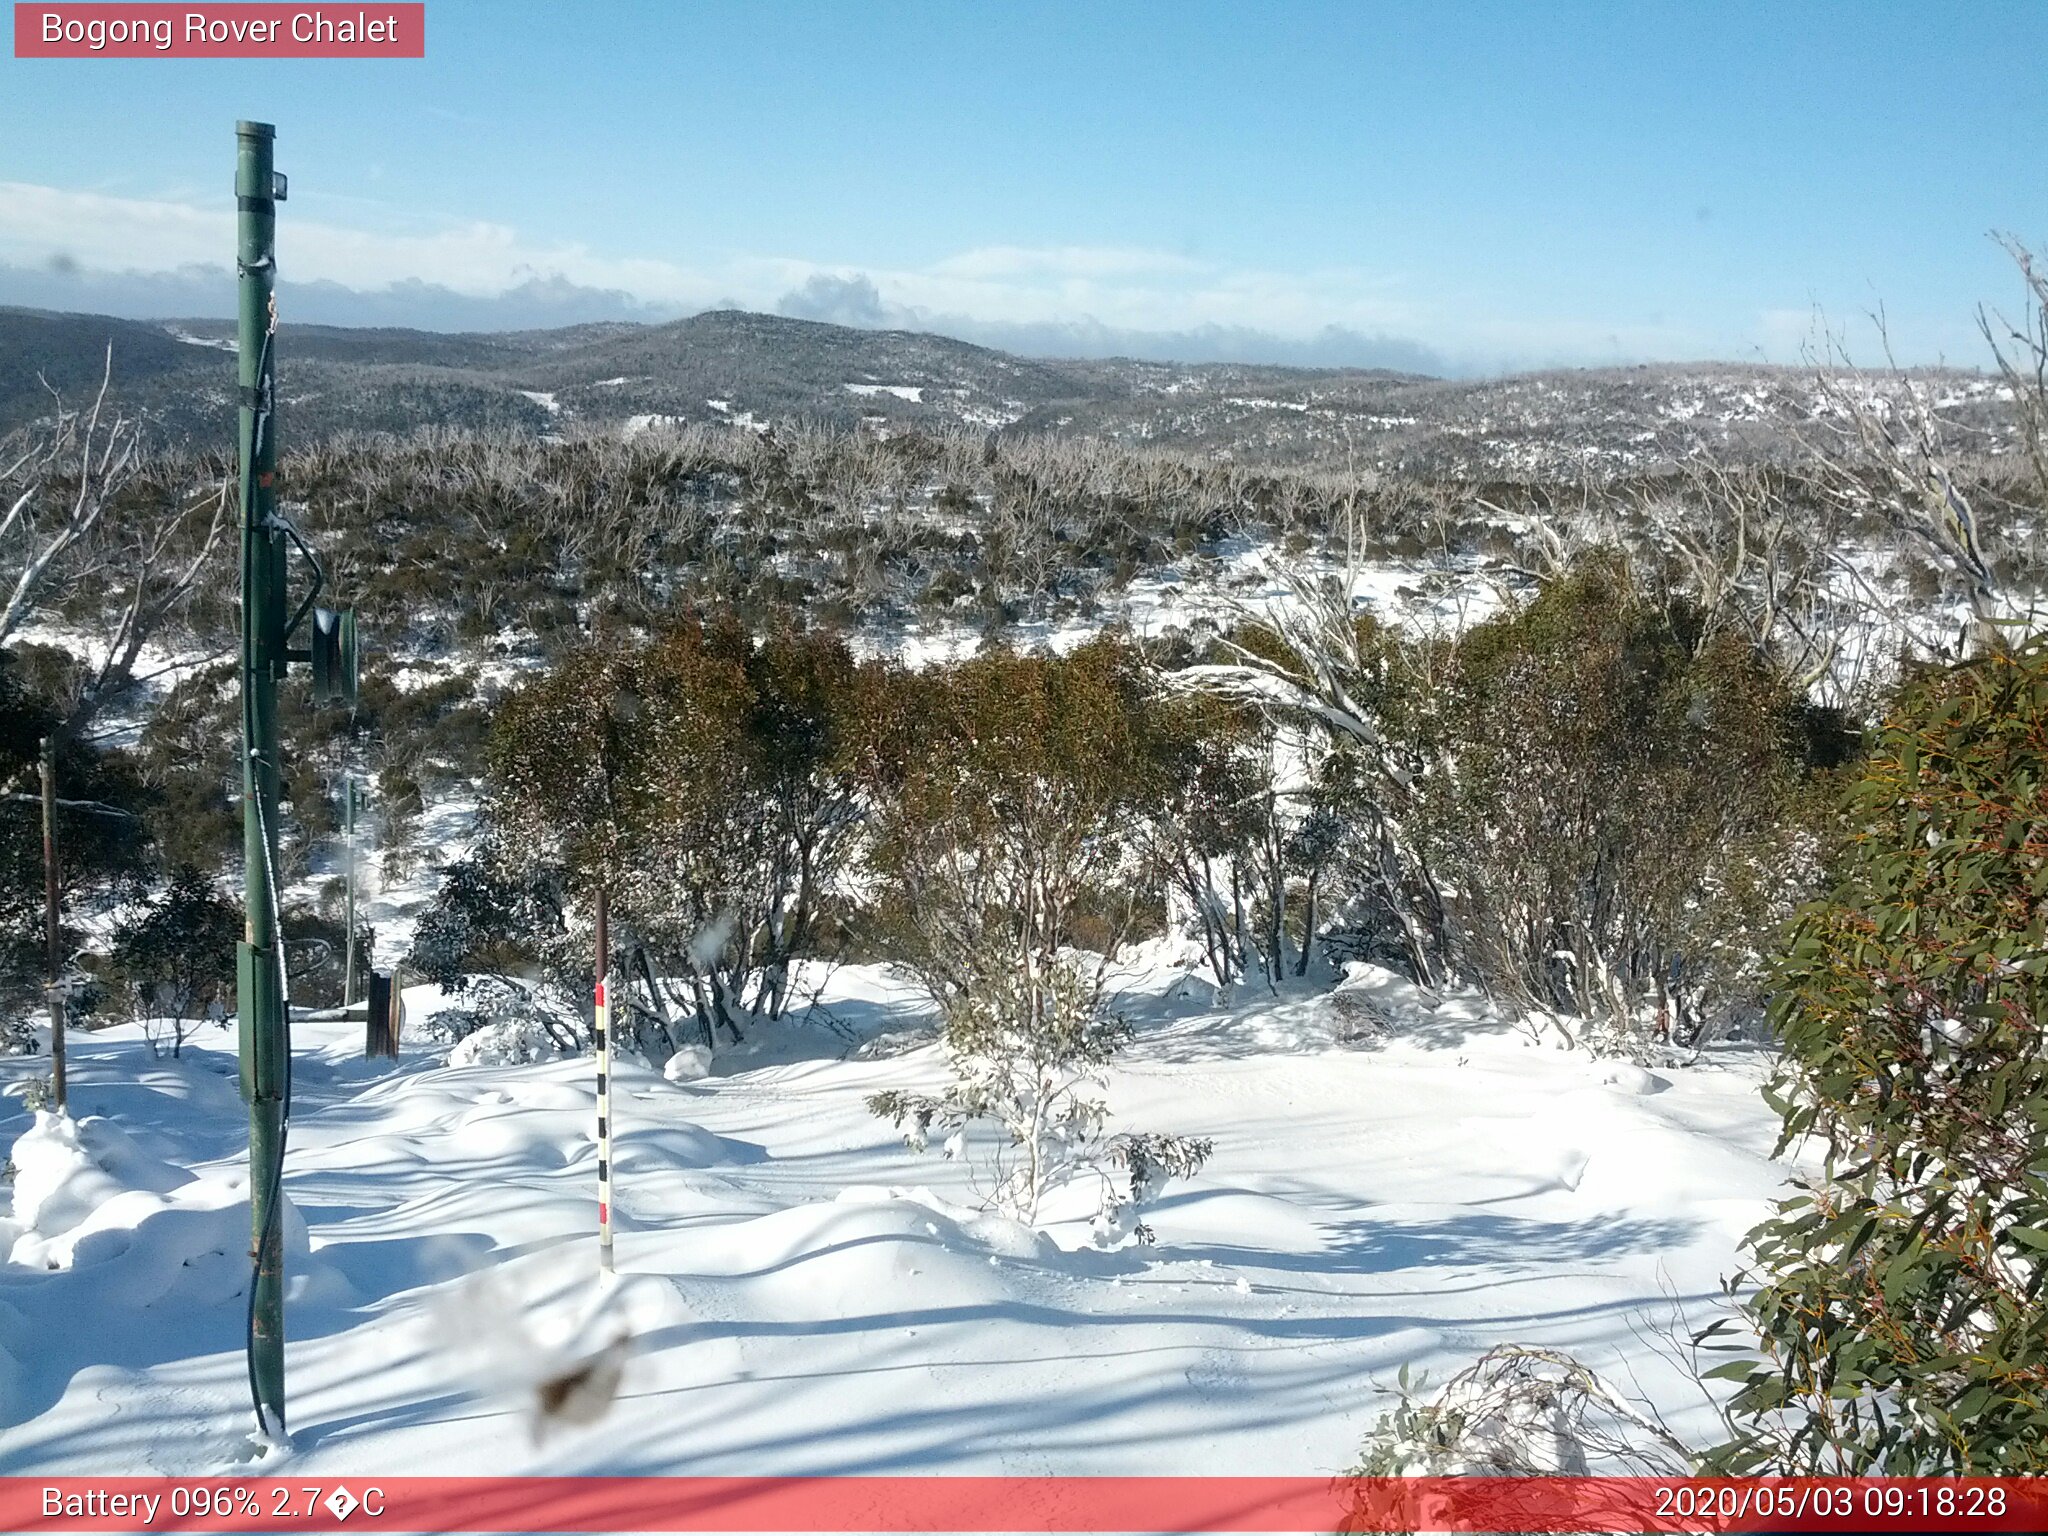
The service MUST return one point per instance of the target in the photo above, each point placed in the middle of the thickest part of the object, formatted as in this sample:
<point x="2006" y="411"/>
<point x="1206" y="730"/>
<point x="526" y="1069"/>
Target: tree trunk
<point x="1308" y="931"/>
<point x="1392" y="886"/>
<point x="1276" y="966"/>
<point x="1215" y="934"/>
<point x="52" y="934"/>
<point x="655" y="996"/>
<point x="1240" y="921"/>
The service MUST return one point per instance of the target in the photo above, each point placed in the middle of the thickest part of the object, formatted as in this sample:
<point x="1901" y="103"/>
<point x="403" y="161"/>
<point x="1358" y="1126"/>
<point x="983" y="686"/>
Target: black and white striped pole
<point x="622" y="706"/>
<point x="604" y="1096"/>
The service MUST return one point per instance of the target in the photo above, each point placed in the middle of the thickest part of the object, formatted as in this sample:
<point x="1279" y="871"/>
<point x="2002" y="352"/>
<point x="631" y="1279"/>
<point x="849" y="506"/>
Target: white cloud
<point x="1068" y="261"/>
<point x="1091" y="297"/>
<point x="43" y="224"/>
<point x="126" y="234"/>
<point x="1119" y="287"/>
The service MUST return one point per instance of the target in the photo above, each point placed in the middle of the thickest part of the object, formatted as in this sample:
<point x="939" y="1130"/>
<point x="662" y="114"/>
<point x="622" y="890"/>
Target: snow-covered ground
<point x="914" y="393"/>
<point x="803" y="1294"/>
<point x="1242" y="579"/>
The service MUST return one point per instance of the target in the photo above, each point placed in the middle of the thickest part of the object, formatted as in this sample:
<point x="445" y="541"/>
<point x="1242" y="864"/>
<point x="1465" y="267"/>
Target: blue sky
<point x="1465" y="187"/>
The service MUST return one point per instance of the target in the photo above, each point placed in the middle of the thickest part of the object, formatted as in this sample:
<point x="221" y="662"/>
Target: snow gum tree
<point x="708" y="779"/>
<point x="176" y="961"/>
<point x="499" y="933"/>
<point x="1621" y="806"/>
<point x="106" y="855"/>
<point x="1244" y="828"/>
<point x="743" y="801"/>
<point x="1008" y="795"/>
<point x="1901" y="1310"/>
<point x="94" y="533"/>
<point x="1215" y="815"/>
<point x="1346" y="688"/>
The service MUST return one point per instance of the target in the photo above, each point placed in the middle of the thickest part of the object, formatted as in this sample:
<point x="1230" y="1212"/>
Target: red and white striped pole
<point x="604" y="1096"/>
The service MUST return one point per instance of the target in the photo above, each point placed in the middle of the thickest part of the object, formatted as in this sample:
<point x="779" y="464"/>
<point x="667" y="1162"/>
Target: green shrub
<point x="1900" y="1313"/>
<point x="1622" y="803"/>
<point x="175" y="963"/>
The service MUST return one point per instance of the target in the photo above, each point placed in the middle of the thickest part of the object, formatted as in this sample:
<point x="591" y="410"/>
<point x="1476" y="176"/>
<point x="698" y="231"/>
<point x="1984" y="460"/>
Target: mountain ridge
<point x="740" y="368"/>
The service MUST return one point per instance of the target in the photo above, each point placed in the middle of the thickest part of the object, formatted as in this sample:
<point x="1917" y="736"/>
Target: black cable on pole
<point x="273" y="1203"/>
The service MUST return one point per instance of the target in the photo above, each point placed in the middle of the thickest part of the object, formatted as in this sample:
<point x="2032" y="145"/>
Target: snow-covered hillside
<point x="803" y="1294"/>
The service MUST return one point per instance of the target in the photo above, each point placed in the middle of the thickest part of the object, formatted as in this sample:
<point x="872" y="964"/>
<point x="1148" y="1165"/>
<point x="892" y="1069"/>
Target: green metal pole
<point x="265" y="1029"/>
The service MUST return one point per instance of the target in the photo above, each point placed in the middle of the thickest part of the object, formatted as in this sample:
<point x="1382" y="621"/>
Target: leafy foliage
<point x="1901" y="1312"/>
<point x="1007" y="794"/>
<point x="1223" y="838"/>
<point x="104" y="851"/>
<point x="176" y="962"/>
<point x="1619" y="801"/>
<point x="707" y="781"/>
<point x="484" y="920"/>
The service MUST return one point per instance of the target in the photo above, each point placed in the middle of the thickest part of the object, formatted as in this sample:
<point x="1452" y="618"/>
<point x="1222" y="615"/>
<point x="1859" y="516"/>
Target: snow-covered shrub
<point x="1631" y="1037"/>
<point x="1244" y="834"/>
<point x="104" y="860"/>
<point x="689" y="1065"/>
<point x="501" y="1023"/>
<point x="1357" y="1017"/>
<point x="1519" y="1411"/>
<point x="450" y="1025"/>
<point x="892" y="1042"/>
<point x="707" y="781"/>
<point x="512" y="1041"/>
<point x="1219" y="836"/>
<point x="1028" y="1052"/>
<point x="487" y="919"/>
<point x="1007" y="796"/>
<point x="1597" y="803"/>
<point x="401" y="802"/>
<point x="488" y="923"/>
<point x="1345" y="685"/>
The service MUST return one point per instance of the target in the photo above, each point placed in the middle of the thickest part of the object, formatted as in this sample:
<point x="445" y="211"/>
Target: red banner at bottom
<point x="1004" y="1504"/>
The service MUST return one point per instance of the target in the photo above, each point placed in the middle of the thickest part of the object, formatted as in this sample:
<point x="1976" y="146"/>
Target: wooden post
<point x="53" y="940"/>
<point x="377" y="1039"/>
<point x="348" y="966"/>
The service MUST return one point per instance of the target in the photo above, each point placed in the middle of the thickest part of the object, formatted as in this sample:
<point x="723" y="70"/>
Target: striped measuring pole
<point x="604" y="1095"/>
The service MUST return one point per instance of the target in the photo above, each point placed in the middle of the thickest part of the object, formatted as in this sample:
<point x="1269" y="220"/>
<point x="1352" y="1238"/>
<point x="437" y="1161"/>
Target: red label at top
<point x="242" y="31"/>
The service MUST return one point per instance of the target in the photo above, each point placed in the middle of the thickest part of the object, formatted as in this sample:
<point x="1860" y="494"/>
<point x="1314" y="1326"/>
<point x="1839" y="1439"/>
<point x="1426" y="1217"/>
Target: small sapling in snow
<point x="1028" y="1052"/>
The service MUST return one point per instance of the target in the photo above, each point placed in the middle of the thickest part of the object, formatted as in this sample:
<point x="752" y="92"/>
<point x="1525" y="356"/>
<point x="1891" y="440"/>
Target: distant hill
<point x="750" y="369"/>
<point x="41" y="353"/>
